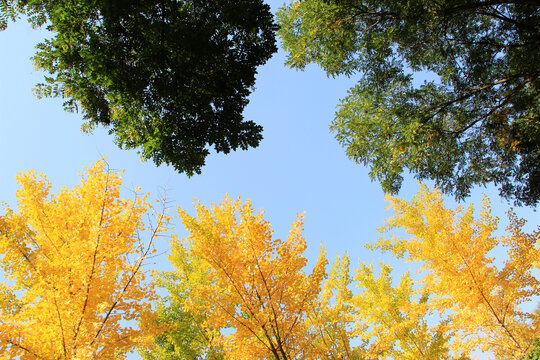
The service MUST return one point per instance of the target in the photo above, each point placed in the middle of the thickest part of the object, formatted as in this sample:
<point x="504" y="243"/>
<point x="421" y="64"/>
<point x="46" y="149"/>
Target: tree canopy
<point x="242" y="278"/>
<point x="478" y="293"/>
<point x="246" y="292"/>
<point x="73" y="270"/>
<point x="170" y="78"/>
<point x="474" y="120"/>
<point x="75" y="285"/>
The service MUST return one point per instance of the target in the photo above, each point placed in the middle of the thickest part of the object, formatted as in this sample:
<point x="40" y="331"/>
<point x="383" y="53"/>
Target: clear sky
<point x="298" y="167"/>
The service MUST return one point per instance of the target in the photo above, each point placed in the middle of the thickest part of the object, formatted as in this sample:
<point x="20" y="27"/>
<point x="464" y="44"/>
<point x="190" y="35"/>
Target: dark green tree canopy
<point x="474" y="121"/>
<point x="168" y="77"/>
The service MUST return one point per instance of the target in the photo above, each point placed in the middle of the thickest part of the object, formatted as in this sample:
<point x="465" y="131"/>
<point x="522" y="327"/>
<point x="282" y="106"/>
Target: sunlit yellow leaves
<point x="461" y="276"/>
<point x="253" y="300"/>
<point x="75" y="287"/>
<point x="73" y="263"/>
<point x="250" y="285"/>
<point x="333" y="317"/>
<point x="394" y="318"/>
<point x="258" y="302"/>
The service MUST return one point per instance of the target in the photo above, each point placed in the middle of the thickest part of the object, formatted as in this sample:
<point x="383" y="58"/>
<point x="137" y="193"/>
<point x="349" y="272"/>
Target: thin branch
<point x="273" y="348"/>
<point x="486" y="301"/>
<point x="61" y="327"/>
<point x="476" y="90"/>
<point x="508" y="20"/>
<point x="155" y="233"/>
<point x="92" y="269"/>
<point x="481" y="4"/>
<point x="269" y="346"/>
<point x="492" y="110"/>
<point x="235" y="318"/>
<point x="263" y="278"/>
<point x="12" y="342"/>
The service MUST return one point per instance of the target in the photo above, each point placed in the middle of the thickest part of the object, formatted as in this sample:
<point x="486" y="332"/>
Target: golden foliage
<point x="481" y="299"/>
<point x="250" y="286"/>
<point x="378" y="320"/>
<point x="73" y="261"/>
<point x="395" y="323"/>
<point x="333" y="317"/>
<point x="258" y="302"/>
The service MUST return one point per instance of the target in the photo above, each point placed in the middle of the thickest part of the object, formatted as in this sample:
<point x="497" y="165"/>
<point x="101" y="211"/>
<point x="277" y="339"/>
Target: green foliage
<point x="170" y="78"/>
<point x="185" y="336"/>
<point x="534" y="353"/>
<point x="184" y="339"/>
<point x="9" y="10"/>
<point x="476" y="123"/>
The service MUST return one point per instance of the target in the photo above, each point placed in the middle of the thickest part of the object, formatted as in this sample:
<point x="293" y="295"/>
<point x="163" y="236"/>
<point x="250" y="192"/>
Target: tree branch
<point x="12" y="342"/>
<point x="61" y="327"/>
<point x="92" y="270"/>
<point x="263" y="278"/>
<point x="464" y="258"/>
<point x="468" y="94"/>
<point x="132" y="276"/>
<point x="481" y="4"/>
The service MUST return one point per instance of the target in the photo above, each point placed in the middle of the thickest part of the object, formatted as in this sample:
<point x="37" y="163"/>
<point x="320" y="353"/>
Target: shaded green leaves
<point x="170" y="78"/>
<point x="475" y="122"/>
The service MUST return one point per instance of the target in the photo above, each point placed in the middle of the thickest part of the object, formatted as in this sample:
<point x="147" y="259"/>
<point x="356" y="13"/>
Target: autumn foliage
<point x="250" y="297"/>
<point x="480" y="297"/>
<point x="75" y="287"/>
<point x="245" y="280"/>
<point x="258" y="303"/>
<point x="73" y="263"/>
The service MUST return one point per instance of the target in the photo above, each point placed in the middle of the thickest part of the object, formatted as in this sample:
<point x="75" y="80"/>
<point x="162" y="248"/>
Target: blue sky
<point x="298" y="167"/>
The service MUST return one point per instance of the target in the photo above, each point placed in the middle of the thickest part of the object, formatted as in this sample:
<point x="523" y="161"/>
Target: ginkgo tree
<point x="394" y="318"/>
<point x="74" y="284"/>
<point x="241" y="279"/>
<point x="465" y="281"/>
<point x="368" y="316"/>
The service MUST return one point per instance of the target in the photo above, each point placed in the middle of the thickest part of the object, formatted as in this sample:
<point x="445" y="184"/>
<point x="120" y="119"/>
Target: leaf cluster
<point x="170" y="78"/>
<point x="482" y="299"/>
<point x="473" y="121"/>
<point x="241" y="278"/>
<point x="73" y="266"/>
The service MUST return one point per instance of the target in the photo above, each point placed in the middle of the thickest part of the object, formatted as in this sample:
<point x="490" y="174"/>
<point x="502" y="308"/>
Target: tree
<point x="170" y="78"/>
<point x="474" y="121"/>
<point x="248" y="285"/>
<point x="386" y="321"/>
<point x="73" y="263"/>
<point x="463" y="278"/>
